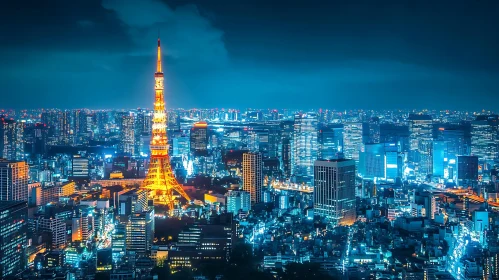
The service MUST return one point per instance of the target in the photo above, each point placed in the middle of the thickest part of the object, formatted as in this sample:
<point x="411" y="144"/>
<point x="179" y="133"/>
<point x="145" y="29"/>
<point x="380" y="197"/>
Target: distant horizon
<point x="239" y="54"/>
<point x="485" y="111"/>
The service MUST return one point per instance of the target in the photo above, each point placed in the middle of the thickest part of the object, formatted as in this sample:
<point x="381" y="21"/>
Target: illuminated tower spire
<point x="160" y="179"/>
<point x="158" y="64"/>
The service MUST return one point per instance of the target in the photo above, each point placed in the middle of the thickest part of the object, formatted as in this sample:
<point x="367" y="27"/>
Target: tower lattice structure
<point x="160" y="180"/>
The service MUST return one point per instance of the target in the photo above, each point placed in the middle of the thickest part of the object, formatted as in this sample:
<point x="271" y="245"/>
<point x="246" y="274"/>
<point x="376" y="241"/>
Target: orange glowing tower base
<point x="160" y="180"/>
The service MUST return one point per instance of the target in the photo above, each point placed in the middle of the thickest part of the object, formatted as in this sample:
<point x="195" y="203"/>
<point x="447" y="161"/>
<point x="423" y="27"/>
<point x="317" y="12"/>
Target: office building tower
<point x="238" y="200"/>
<point x="421" y="142"/>
<point x="287" y="128"/>
<point x="352" y="140"/>
<point x="372" y="161"/>
<point x="13" y="180"/>
<point x="13" y="240"/>
<point x="11" y="139"/>
<point x="330" y="141"/>
<point x="63" y="128"/>
<point x="144" y="122"/>
<point x="101" y="122"/>
<point x="80" y="167"/>
<point x="393" y="162"/>
<point x="467" y="170"/>
<point x="304" y="147"/>
<point x="199" y="139"/>
<point x="485" y="138"/>
<point x="127" y="134"/>
<point x="180" y="145"/>
<point x="40" y="138"/>
<point x="371" y="131"/>
<point x="253" y="175"/>
<point x="273" y="139"/>
<point x="439" y="158"/>
<point x="395" y="133"/>
<point x="334" y="190"/>
<point x="56" y="227"/>
<point x="118" y="242"/>
<point x="140" y="233"/>
<point x="457" y="138"/>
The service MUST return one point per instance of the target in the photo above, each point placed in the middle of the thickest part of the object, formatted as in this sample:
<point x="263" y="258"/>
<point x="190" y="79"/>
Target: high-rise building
<point x="334" y="190"/>
<point x="304" y="147"/>
<point x="287" y="128"/>
<point x="330" y="141"/>
<point x="372" y="161"/>
<point x="11" y="139"/>
<point x="127" y="135"/>
<point x="40" y="138"/>
<point x="13" y="240"/>
<point x="118" y="242"/>
<point x="253" y="175"/>
<point x="395" y="133"/>
<point x="485" y="138"/>
<point x="199" y="139"/>
<point x="238" y="200"/>
<point x="13" y="180"/>
<point x="457" y="137"/>
<point x="140" y="233"/>
<point x="467" y="170"/>
<point x="352" y="140"/>
<point x="439" y="157"/>
<point x="421" y="142"/>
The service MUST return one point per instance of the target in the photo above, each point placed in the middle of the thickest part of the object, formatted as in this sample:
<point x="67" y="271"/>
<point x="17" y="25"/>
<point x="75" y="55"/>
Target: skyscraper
<point x="140" y="232"/>
<point x="330" y="141"/>
<point x="127" y="135"/>
<point x="334" y="190"/>
<point x="11" y="139"/>
<point x="421" y="142"/>
<point x="304" y="147"/>
<point x="284" y="151"/>
<point x="352" y="140"/>
<point x="13" y="180"/>
<point x="253" y="175"/>
<point x="13" y="240"/>
<point x="485" y="138"/>
<point x="199" y="139"/>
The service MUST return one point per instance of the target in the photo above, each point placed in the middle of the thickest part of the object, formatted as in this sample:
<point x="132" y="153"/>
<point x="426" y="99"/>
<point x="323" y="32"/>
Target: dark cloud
<point x="251" y="53"/>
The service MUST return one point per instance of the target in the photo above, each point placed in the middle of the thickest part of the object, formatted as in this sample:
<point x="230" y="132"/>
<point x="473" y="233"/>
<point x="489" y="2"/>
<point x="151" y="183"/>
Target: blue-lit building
<point x="334" y="191"/>
<point x="353" y="135"/>
<point x="439" y="158"/>
<point x="330" y="141"/>
<point x="304" y="147"/>
<point x="380" y="161"/>
<point x="485" y="138"/>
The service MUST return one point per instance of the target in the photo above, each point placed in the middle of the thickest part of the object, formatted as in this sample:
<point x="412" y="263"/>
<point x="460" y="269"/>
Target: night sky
<point x="250" y="53"/>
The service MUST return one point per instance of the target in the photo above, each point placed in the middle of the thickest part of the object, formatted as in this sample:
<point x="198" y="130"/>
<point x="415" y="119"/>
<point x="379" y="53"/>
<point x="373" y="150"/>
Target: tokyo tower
<point x="160" y="180"/>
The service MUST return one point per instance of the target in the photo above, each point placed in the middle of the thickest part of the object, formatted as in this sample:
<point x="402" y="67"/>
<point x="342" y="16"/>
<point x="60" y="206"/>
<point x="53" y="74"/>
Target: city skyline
<point x="344" y="184"/>
<point x="392" y="55"/>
